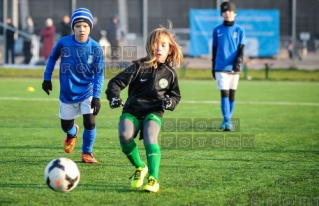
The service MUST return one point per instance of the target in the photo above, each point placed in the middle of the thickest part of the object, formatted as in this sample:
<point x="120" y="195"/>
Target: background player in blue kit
<point x="227" y="60"/>
<point x="81" y="81"/>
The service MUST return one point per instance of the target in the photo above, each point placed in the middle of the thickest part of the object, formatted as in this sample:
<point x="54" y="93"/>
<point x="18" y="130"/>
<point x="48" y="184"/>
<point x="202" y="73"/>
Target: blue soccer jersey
<point x="227" y="39"/>
<point x="81" y="69"/>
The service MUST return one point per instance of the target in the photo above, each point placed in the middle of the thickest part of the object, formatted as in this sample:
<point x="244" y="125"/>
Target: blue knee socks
<point x="71" y="132"/>
<point x="225" y="106"/>
<point x="88" y="140"/>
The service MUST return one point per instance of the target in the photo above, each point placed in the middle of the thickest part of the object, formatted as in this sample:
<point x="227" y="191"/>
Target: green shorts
<point x="139" y="123"/>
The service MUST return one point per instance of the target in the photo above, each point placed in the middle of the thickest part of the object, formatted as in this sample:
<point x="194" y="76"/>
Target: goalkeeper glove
<point x="166" y="102"/>
<point x="116" y="102"/>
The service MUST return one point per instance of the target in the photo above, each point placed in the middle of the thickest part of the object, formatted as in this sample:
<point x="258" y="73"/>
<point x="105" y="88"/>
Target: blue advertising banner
<point x="261" y="29"/>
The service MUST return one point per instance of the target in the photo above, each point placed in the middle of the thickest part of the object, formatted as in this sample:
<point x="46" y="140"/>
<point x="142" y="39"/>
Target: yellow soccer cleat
<point x="152" y="185"/>
<point x="138" y="177"/>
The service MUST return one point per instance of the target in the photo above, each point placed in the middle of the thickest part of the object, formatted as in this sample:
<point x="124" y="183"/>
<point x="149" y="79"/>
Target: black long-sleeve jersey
<point x="146" y="89"/>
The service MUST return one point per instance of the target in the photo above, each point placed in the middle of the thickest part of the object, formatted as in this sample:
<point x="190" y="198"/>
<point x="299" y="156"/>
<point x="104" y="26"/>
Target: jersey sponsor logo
<point x="143" y="80"/>
<point x="90" y="59"/>
<point x="163" y="83"/>
<point x="219" y="35"/>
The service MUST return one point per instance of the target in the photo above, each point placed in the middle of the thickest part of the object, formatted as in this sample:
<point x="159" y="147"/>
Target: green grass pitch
<point x="280" y="169"/>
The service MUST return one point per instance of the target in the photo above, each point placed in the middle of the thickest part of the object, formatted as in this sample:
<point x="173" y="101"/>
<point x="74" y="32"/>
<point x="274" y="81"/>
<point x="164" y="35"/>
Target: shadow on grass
<point x="22" y="185"/>
<point x="93" y="187"/>
<point x="120" y="188"/>
<point x="28" y="147"/>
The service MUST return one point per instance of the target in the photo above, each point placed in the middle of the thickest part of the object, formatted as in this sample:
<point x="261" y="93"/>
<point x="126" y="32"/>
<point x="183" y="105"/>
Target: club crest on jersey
<point x="90" y="59"/>
<point x="235" y="35"/>
<point x="163" y="83"/>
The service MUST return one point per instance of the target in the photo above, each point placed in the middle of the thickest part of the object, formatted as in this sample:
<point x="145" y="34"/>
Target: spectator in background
<point x="293" y="51"/>
<point x="115" y="35"/>
<point x="65" y="28"/>
<point x="290" y="48"/>
<point x="47" y="38"/>
<point x="29" y="29"/>
<point x="9" y="42"/>
<point x="96" y="32"/>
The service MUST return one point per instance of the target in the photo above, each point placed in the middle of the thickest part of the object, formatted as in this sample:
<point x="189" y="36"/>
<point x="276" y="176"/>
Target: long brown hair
<point x="173" y="59"/>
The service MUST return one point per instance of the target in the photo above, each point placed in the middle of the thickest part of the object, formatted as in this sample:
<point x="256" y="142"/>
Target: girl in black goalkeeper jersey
<point x="152" y="88"/>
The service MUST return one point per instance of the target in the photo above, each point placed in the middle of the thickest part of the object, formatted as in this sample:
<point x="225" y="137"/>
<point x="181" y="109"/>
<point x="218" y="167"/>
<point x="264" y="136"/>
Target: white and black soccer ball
<point x="62" y="175"/>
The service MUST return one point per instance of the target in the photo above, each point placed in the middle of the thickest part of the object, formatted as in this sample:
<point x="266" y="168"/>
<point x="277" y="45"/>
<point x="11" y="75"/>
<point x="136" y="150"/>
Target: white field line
<point x="250" y="102"/>
<point x="182" y="101"/>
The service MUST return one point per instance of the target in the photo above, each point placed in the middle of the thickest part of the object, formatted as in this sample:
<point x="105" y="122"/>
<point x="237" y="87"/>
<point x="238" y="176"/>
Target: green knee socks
<point x="131" y="152"/>
<point x="153" y="155"/>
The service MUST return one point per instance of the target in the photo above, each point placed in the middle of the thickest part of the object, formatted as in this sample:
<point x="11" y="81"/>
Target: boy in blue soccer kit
<point x="81" y="78"/>
<point x="227" y="58"/>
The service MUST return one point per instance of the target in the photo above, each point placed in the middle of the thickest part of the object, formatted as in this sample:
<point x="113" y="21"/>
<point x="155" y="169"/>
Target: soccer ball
<point x="62" y="175"/>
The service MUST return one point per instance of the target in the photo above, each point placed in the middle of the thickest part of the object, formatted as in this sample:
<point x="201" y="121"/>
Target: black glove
<point x="47" y="86"/>
<point x="116" y="102"/>
<point x="236" y="67"/>
<point x="95" y="105"/>
<point x="166" y="102"/>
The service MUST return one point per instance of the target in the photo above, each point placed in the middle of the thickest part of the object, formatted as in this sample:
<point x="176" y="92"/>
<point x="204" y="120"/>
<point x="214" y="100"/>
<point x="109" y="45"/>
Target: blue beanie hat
<point x="82" y="15"/>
